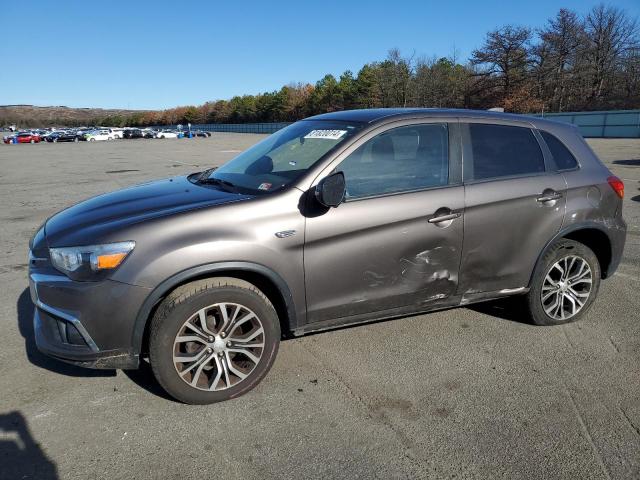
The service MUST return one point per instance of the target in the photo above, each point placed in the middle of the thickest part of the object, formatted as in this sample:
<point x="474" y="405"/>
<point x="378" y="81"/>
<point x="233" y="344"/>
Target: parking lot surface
<point x="463" y="393"/>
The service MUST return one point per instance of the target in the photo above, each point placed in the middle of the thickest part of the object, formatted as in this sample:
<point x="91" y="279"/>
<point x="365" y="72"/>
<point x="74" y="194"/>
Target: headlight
<point x="90" y="262"/>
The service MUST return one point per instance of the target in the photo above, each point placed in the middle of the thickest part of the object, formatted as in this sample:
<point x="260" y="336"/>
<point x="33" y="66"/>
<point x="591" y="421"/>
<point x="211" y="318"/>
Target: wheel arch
<point x="591" y="234"/>
<point x="265" y="279"/>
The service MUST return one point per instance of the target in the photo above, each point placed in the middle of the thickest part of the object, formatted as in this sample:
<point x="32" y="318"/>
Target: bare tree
<point x="557" y="53"/>
<point x="610" y="33"/>
<point x="504" y="57"/>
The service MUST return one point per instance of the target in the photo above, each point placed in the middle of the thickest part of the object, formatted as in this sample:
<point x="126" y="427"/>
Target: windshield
<point x="283" y="157"/>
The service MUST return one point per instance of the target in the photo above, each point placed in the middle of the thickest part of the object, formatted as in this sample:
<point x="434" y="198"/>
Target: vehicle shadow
<point x="20" y="455"/>
<point x="143" y="377"/>
<point x="629" y="163"/>
<point x="24" y="310"/>
<point x="509" y="308"/>
<point x="636" y="198"/>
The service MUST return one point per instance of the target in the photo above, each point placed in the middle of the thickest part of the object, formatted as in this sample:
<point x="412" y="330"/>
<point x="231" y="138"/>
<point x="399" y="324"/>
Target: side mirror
<point x="331" y="190"/>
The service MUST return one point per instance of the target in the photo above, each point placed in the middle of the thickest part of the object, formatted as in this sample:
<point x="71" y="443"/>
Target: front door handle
<point x="444" y="218"/>
<point x="549" y="196"/>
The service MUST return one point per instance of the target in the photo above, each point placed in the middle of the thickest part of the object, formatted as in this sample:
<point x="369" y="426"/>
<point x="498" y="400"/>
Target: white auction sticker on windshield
<point x="326" y="134"/>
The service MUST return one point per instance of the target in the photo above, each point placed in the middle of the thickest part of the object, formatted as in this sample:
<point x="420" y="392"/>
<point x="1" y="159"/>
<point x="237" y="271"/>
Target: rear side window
<point x="563" y="157"/>
<point x="504" y="151"/>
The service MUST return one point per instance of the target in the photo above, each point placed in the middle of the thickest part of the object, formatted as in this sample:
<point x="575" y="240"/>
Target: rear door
<point x="396" y="240"/>
<point x="514" y="204"/>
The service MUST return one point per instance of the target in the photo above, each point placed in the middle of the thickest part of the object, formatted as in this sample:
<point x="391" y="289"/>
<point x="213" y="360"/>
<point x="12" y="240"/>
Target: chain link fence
<point x="604" y="124"/>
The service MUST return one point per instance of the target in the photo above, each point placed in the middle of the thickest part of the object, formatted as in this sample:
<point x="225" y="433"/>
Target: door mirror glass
<point x="330" y="191"/>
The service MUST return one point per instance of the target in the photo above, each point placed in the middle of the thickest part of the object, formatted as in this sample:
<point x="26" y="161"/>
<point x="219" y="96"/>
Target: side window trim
<point x="549" y="163"/>
<point x="467" y="155"/>
<point x="454" y="148"/>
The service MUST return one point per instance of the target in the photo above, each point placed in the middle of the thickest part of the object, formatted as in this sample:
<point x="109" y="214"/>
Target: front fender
<point x="212" y="269"/>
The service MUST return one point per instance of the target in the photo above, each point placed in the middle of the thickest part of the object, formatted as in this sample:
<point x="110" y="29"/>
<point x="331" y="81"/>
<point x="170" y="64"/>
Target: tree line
<point x="572" y="63"/>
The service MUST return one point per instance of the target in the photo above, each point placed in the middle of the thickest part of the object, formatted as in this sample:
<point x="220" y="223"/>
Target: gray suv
<point x="338" y="219"/>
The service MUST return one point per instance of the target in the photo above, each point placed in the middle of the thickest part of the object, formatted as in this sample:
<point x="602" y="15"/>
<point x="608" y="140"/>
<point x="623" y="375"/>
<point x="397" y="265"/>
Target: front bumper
<point x="89" y="324"/>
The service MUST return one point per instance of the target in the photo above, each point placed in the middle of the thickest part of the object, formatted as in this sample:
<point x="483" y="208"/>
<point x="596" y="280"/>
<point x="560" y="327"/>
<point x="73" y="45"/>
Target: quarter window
<point x="561" y="155"/>
<point x="504" y="151"/>
<point x="399" y="160"/>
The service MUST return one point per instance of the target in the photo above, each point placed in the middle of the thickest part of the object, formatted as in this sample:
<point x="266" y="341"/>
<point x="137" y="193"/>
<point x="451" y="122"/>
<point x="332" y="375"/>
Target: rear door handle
<point x="549" y="196"/>
<point x="444" y="218"/>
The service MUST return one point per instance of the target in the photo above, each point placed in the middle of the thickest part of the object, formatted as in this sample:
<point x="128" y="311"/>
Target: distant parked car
<point x="196" y="133"/>
<point x="98" y="135"/>
<point x="27" y="137"/>
<point x="133" y="133"/>
<point x="167" y="134"/>
<point x="82" y="132"/>
<point x="56" y="137"/>
<point x="117" y="132"/>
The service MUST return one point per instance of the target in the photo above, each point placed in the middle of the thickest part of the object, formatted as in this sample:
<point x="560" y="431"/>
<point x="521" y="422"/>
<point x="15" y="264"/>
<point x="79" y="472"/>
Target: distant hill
<point x="34" y="116"/>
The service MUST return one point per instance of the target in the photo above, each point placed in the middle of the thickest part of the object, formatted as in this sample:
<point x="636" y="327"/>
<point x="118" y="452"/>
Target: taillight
<point x="617" y="185"/>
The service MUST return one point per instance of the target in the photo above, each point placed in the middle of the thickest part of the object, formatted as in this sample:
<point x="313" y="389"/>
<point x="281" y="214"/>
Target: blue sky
<point x="160" y="54"/>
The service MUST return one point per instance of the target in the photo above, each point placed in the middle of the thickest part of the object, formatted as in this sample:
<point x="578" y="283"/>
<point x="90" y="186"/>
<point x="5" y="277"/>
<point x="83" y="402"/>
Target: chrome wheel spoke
<point x="244" y="340"/>
<point x="225" y="370"/>
<point x="216" y="380"/>
<point x="572" y="302"/>
<point x="234" y="370"/>
<point x="246" y="353"/>
<point x="202" y="316"/>
<point x="241" y="322"/>
<point x="202" y="360"/>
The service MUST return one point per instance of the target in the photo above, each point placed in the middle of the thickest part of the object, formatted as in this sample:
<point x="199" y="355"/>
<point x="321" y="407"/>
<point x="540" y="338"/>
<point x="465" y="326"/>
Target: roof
<point x="374" y="115"/>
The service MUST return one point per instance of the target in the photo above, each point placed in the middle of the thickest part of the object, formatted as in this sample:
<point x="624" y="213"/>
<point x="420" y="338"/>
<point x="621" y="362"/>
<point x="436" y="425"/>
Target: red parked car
<point x="24" y="138"/>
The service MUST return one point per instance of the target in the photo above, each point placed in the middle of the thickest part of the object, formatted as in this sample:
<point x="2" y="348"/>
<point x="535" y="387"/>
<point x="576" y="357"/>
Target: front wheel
<point x="564" y="285"/>
<point x="213" y="340"/>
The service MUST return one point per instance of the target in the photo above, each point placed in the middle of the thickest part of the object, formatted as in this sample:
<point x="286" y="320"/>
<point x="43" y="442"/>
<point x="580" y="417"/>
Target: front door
<point x="396" y="240"/>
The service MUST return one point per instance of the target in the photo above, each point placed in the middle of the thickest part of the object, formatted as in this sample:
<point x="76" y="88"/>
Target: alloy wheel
<point x="566" y="287"/>
<point x="218" y="346"/>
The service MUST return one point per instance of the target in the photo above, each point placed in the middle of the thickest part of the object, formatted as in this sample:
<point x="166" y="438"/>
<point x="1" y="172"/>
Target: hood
<point x="90" y="221"/>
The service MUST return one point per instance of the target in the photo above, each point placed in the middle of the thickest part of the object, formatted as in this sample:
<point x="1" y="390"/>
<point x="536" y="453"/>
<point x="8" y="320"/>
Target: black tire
<point x="179" y="306"/>
<point x="557" y="251"/>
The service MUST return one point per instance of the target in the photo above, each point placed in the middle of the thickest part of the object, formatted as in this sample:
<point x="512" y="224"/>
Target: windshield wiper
<point x="216" y="181"/>
<point x="206" y="173"/>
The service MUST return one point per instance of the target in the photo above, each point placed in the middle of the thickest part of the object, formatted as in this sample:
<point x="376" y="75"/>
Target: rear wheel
<point x="213" y="340"/>
<point x="564" y="285"/>
<point x="32" y="141"/>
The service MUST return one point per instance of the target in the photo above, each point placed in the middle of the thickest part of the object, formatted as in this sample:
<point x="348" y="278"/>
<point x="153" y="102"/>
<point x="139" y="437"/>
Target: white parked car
<point x="117" y="132"/>
<point x="99" y="135"/>
<point x="166" y="134"/>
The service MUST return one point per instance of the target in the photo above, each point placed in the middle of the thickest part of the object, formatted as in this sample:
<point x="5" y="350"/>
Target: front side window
<point x="399" y="160"/>
<point x="561" y="155"/>
<point x="504" y="151"/>
<point x="283" y="157"/>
